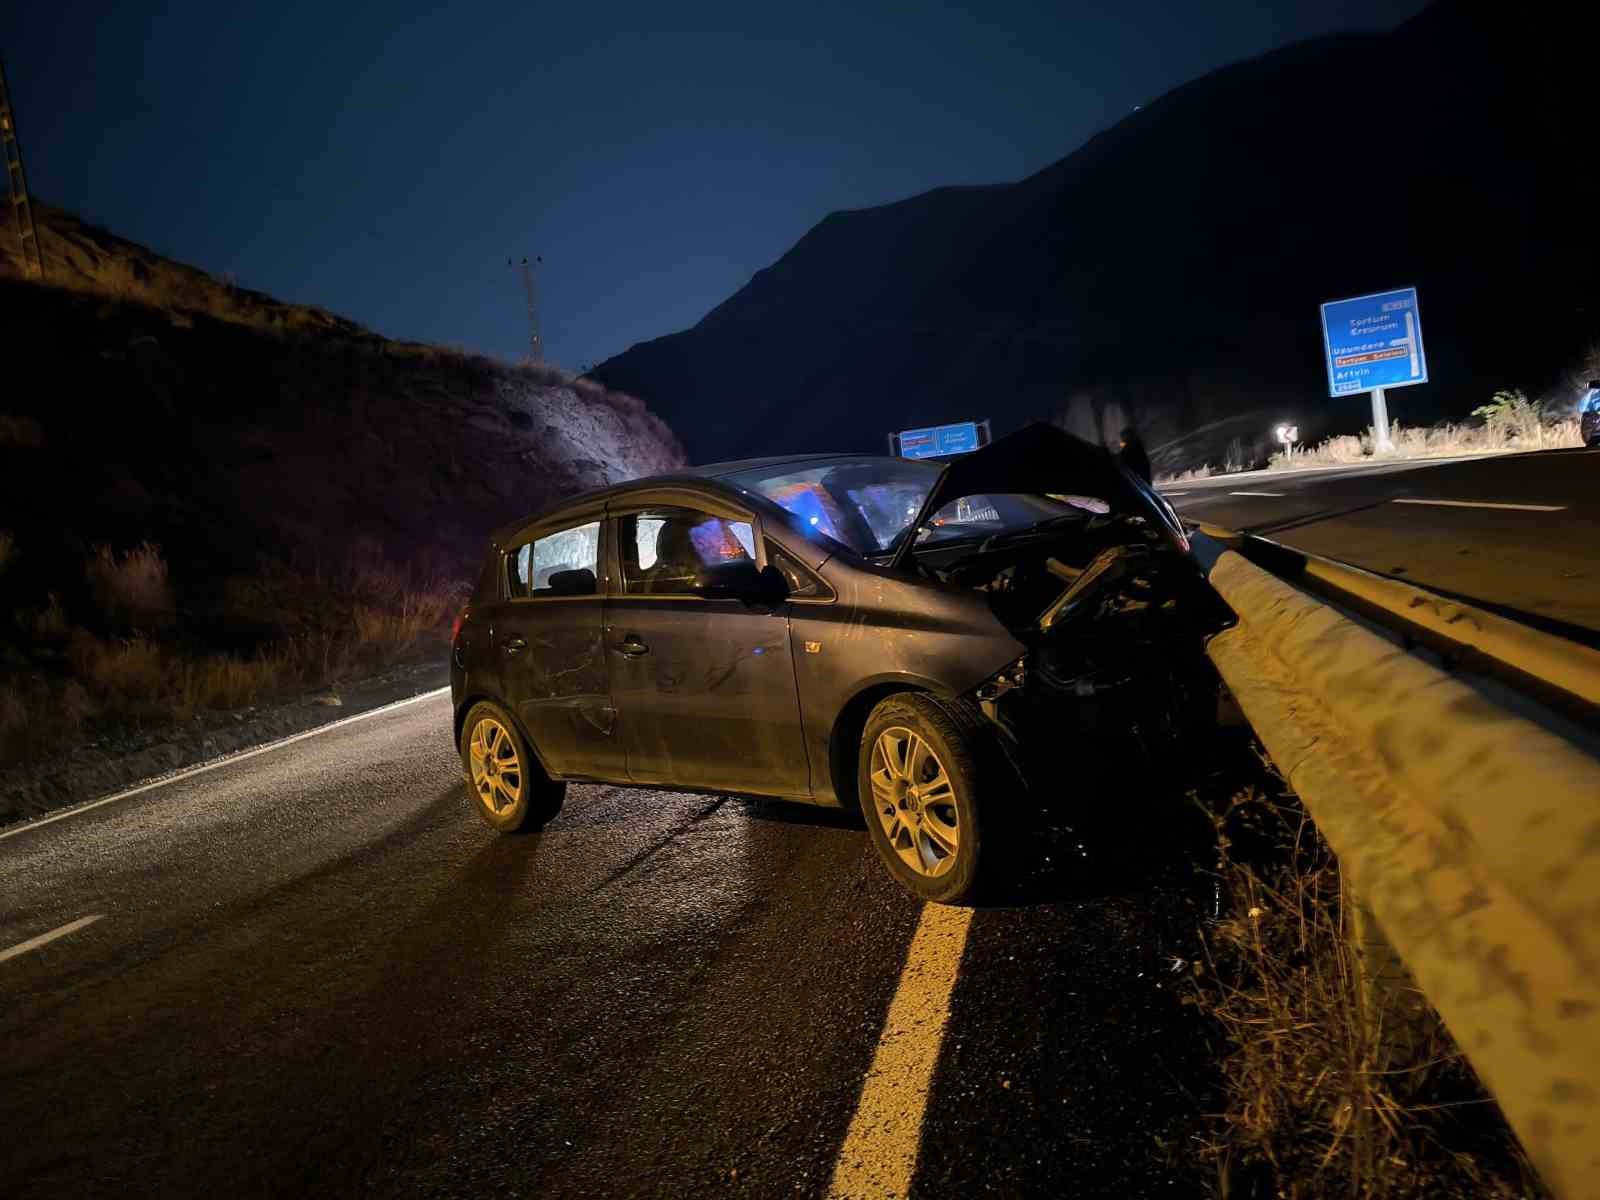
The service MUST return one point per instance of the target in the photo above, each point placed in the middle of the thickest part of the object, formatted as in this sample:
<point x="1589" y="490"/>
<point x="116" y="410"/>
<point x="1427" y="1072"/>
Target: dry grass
<point x="1318" y="1104"/>
<point x="47" y="624"/>
<point x="314" y="630"/>
<point x="16" y="722"/>
<point x="127" y="675"/>
<point x="38" y="715"/>
<point x="22" y="432"/>
<point x="1509" y="422"/>
<point x="218" y="681"/>
<point x="136" y="679"/>
<point x="1511" y="429"/>
<point x="131" y="589"/>
<point x="404" y="624"/>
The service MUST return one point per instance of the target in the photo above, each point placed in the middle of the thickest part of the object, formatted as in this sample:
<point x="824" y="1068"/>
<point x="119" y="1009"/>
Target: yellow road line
<point x="879" y="1153"/>
<point x="1486" y="504"/>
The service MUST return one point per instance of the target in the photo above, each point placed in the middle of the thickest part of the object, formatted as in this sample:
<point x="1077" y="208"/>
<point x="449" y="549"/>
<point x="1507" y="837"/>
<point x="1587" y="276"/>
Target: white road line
<point x="226" y="760"/>
<point x="1174" y="495"/>
<point x="45" y="939"/>
<point x="879" y="1153"/>
<point x="1273" y="494"/>
<point x="1486" y="504"/>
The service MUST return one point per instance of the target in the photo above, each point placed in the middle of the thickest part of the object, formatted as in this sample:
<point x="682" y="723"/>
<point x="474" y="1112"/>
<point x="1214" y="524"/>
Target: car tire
<point x="910" y="814"/>
<point x="506" y="784"/>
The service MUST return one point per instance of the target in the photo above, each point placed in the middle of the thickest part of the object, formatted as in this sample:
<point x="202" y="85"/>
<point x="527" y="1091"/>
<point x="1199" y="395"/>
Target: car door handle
<point x="632" y="646"/>
<point x="512" y="644"/>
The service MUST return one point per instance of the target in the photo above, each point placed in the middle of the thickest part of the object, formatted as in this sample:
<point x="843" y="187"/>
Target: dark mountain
<point x="1169" y="271"/>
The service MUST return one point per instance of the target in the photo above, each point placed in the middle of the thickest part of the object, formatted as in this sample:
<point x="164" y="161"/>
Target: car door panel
<point x="710" y="702"/>
<point x="704" y="689"/>
<point x="552" y="658"/>
<point x="562" y="693"/>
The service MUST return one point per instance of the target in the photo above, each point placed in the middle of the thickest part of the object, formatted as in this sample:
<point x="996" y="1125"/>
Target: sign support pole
<point x="1380" y="423"/>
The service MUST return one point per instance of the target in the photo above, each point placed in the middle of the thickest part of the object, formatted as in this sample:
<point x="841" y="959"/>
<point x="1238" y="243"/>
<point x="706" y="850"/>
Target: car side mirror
<point x="742" y="580"/>
<point x="577" y="582"/>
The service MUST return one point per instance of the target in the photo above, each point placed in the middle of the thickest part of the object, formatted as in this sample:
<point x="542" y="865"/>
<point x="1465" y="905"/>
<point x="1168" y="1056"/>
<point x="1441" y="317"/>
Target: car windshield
<point x="867" y="504"/>
<point x="1591" y="402"/>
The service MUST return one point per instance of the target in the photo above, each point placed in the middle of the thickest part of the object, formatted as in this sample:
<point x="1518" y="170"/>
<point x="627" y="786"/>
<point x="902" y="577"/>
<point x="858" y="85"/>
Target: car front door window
<point x="664" y="550"/>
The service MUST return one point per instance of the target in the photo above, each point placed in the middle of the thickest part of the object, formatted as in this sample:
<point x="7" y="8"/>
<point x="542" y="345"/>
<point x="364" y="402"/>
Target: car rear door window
<point x="553" y="564"/>
<point x="663" y="549"/>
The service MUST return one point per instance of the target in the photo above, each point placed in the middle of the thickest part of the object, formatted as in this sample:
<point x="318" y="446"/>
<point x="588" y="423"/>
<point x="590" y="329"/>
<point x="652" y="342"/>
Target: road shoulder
<point x="128" y="758"/>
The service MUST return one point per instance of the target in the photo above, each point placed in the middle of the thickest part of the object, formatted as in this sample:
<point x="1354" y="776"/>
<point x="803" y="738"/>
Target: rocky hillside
<point x="146" y="400"/>
<point x="1169" y="271"/>
<point x="212" y="503"/>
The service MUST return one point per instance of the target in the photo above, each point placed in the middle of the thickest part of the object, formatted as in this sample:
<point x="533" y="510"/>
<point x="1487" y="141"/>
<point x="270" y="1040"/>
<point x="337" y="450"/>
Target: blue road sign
<point x="939" y="440"/>
<point x="1373" y="342"/>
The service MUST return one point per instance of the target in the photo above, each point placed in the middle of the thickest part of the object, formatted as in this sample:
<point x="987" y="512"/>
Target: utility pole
<point x="535" y="350"/>
<point x="17" y="183"/>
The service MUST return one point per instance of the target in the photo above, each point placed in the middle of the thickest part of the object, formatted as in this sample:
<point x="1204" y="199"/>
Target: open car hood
<point x="1043" y="459"/>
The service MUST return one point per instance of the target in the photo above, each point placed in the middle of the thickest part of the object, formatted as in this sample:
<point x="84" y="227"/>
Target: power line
<point x="17" y="182"/>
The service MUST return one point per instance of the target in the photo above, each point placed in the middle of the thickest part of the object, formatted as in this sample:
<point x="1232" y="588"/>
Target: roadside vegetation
<point x="1319" y="1101"/>
<point x="1509" y="422"/>
<point x="120" y="649"/>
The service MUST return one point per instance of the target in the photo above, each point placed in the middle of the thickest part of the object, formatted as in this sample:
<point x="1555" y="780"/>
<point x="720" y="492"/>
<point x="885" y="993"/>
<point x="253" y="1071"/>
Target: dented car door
<point x="549" y="651"/>
<point x="704" y="688"/>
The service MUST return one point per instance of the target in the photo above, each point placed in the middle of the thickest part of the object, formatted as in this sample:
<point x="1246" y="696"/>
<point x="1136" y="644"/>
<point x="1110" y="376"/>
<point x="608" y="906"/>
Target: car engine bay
<point x="1115" y="619"/>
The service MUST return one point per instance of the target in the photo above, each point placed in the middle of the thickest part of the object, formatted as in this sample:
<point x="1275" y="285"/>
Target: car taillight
<point x="455" y="628"/>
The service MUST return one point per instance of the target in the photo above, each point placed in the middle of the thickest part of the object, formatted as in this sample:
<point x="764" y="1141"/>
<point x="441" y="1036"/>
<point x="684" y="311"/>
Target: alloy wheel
<point x="915" y="801"/>
<point x="497" y="774"/>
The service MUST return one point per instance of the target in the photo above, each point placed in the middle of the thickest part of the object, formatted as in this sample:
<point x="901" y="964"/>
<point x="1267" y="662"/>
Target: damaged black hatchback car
<point x="924" y="642"/>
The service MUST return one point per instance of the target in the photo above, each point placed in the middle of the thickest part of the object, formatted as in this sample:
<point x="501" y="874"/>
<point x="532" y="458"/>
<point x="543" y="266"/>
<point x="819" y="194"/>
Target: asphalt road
<point x="315" y="972"/>
<point x="1518" y="533"/>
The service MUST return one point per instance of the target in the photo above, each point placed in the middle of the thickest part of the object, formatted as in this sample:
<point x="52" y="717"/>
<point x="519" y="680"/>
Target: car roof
<point x="683" y="477"/>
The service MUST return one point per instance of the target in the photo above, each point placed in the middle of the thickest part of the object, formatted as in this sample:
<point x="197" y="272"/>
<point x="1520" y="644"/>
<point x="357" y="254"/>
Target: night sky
<point x="384" y="161"/>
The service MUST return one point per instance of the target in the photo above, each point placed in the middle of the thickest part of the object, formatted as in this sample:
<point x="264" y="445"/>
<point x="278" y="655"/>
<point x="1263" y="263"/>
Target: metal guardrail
<point x="1469" y="830"/>
<point x="1555" y="667"/>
